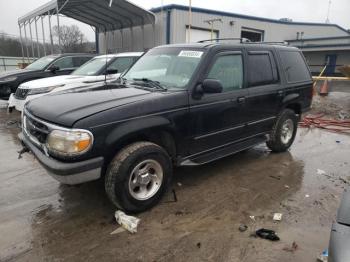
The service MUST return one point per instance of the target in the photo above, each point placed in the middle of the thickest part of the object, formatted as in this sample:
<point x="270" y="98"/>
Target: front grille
<point x="21" y="93"/>
<point x="36" y="130"/>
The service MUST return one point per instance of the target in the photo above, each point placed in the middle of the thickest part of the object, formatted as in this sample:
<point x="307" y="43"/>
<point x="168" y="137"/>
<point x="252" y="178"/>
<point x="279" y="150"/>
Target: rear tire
<point x="138" y="176"/>
<point x="283" y="132"/>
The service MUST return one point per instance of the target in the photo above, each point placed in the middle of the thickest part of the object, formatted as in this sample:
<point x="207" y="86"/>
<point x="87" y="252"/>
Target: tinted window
<point x="121" y="64"/>
<point x="80" y="60"/>
<point x="294" y="66"/>
<point x="229" y="70"/>
<point x="64" y="63"/>
<point x="261" y="70"/>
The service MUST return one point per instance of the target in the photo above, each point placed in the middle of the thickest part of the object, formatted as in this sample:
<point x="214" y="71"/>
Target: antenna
<point x="328" y="11"/>
<point x="106" y="52"/>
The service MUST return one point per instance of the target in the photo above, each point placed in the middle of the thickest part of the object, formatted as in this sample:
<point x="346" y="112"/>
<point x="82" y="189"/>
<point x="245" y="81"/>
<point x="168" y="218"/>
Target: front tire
<point x="283" y="132"/>
<point x="138" y="176"/>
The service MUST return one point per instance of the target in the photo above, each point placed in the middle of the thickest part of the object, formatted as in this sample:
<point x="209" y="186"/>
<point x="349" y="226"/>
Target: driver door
<point x="218" y="119"/>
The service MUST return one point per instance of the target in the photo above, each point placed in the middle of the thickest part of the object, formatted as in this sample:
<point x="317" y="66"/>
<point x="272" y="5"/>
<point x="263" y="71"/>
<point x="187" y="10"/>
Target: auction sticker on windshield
<point x="189" y="53"/>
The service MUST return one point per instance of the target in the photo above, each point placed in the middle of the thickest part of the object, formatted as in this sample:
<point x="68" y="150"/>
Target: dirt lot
<point x="41" y="220"/>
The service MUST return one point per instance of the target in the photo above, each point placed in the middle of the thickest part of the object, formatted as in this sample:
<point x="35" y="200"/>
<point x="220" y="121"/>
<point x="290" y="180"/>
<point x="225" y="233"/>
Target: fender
<point x="134" y="126"/>
<point x="289" y="98"/>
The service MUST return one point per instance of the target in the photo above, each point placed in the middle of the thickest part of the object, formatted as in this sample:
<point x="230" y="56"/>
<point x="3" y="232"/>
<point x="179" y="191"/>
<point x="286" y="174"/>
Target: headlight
<point x="70" y="142"/>
<point x="9" y="79"/>
<point x="42" y="90"/>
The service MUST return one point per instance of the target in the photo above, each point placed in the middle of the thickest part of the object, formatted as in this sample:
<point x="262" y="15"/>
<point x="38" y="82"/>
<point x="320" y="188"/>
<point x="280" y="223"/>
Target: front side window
<point x="41" y="63"/>
<point x="171" y="67"/>
<point x="120" y="64"/>
<point x="64" y="63"/>
<point x="228" y="70"/>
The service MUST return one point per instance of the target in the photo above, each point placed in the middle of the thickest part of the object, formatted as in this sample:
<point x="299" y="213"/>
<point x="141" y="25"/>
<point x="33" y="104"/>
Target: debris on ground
<point x="292" y="249"/>
<point x="319" y="121"/>
<point x="267" y="234"/>
<point x="252" y="218"/>
<point x="320" y="172"/>
<point x="199" y="244"/>
<point x="323" y="257"/>
<point x="286" y="186"/>
<point x="118" y="230"/>
<point x="129" y="223"/>
<point x="277" y="216"/>
<point x="243" y="228"/>
<point x="307" y="196"/>
<point x="179" y="184"/>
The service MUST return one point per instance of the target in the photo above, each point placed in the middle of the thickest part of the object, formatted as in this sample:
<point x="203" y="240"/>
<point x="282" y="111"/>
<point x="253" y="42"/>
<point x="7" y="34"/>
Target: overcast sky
<point x="298" y="10"/>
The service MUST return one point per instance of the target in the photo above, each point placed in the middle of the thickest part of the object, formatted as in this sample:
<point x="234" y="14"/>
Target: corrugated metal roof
<point x="121" y="14"/>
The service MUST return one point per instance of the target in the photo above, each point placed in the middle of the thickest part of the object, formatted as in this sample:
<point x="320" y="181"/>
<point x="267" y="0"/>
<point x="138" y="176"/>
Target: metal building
<point x="122" y="26"/>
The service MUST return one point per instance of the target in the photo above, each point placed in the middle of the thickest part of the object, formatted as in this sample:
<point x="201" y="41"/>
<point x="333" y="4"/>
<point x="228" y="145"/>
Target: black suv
<point x="52" y="65"/>
<point x="178" y="105"/>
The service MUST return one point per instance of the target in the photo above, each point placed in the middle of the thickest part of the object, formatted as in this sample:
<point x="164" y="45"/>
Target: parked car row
<point x="100" y="68"/>
<point x="178" y="105"/>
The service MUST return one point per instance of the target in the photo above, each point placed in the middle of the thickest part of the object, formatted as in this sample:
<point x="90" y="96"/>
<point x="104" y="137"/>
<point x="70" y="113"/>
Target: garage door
<point x="200" y="34"/>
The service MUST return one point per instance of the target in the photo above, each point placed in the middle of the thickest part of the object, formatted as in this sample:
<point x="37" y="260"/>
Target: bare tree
<point x="71" y="38"/>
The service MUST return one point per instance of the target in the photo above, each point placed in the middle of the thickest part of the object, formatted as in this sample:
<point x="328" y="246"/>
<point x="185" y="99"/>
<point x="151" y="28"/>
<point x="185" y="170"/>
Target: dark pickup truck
<point x="178" y="105"/>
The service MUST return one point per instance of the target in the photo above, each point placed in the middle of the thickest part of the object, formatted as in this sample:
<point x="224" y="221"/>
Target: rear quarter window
<point x="294" y="66"/>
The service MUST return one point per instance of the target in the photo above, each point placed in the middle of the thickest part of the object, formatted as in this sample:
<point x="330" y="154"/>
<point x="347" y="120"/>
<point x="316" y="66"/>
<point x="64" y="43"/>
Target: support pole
<point x="43" y="31"/>
<point x="154" y="34"/>
<point x="59" y="31"/>
<point x="26" y="40"/>
<point x="189" y="21"/>
<point x="50" y="31"/>
<point x="21" y="41"/>
<point x="122" y="38"/>
<point x="143" y="37"/>
<point x="37" y="37"/>
<point x="132" y="38"/>
<point x="31" y="38"/>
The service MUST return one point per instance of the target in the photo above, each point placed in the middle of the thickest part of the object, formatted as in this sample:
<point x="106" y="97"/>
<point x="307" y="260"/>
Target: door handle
<point x="241" y="100"/>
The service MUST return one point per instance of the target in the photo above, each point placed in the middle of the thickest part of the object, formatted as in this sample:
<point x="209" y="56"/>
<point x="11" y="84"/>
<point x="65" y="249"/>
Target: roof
<point x="121" y="14"/>
<point x="222" y="13"/>
<point x="319" y="38"/>
<point x="126" y="54"/>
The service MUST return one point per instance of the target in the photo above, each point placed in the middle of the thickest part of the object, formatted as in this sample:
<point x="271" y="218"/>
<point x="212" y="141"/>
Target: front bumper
<point x="66" y="173"/>
<point x="16" y="103"/>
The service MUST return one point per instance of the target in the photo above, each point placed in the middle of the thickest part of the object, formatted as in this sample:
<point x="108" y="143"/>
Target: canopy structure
<point x="103" y="15"/>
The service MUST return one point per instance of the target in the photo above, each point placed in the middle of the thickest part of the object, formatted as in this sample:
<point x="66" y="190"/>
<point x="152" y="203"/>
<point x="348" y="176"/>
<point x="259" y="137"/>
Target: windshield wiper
<point x="151" y="83"/>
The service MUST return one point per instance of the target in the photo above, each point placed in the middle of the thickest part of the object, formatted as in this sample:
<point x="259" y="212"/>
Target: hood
<point x="66" y="108"/>
<point x="16" y="72"/>
<point x="56" y="80"/>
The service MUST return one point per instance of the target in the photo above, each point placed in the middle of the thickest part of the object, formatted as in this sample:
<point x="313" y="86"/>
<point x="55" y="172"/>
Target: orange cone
<point x="324" y="88"/>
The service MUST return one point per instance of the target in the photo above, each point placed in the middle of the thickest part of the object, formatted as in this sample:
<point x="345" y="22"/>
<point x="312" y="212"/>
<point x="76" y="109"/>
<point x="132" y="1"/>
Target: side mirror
<point x="211" y="86"/>
<point x="111" y="71"/>
<point x="54" y="68"/>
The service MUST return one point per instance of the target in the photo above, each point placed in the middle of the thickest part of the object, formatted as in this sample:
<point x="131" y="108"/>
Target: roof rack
<point x="241" y="40"/>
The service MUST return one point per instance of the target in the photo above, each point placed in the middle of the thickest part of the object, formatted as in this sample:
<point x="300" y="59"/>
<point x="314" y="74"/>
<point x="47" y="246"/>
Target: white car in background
<point x="98" y="69"/>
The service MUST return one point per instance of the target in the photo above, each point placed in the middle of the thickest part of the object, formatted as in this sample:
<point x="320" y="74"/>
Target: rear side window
<point x="64" y="62"/>
<point x="80" y="60"/>
<point x="228" y="70"/>
<point x="262" y="69"/>
<point x="294" y="66"/>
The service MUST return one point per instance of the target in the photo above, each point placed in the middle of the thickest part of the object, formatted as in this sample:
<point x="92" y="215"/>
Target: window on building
<point x="252" y="35"/>
<point x="229" y="70"/>
<point x="294" y="66"/>
<point x="262" y="69"/>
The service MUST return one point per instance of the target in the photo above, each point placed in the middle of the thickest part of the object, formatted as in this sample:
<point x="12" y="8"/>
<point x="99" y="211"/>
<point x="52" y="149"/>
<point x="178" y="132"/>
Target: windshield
<point x="93" y="67"/>
<point x="170" y="67"/>
<point x="41" y="63"/>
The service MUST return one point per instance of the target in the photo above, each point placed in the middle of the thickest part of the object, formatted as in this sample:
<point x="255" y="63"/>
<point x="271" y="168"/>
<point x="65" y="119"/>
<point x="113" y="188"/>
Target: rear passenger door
<point x="264" y="91"/>
<point x="218" y="119"/>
